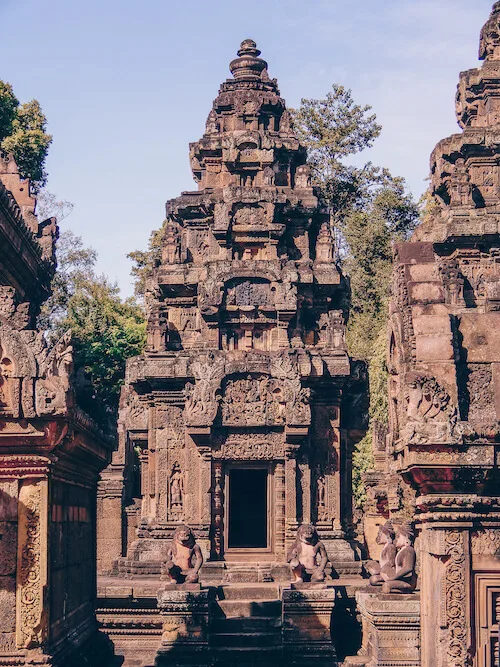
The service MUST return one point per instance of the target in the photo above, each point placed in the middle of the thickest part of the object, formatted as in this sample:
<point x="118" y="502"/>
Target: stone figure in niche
<point x="431" y="417"/>
<point x="172" y="244"/>
<point x="6" y="368"/>
<point x="212" y="127"/>
<point x="460" y="185"/>
<point x="321" y="494"/>
<point x="453" y="282"/>
<point x="184" y="557"/>
<point x="268" y="176"/>
<point x="176" y="492"/>
<point x="402" y="578"/>
<point x="386" y="536"/>
<point x="285" y="122"/>
<point x="308" y="557"/>
<point x="303" y="177"/>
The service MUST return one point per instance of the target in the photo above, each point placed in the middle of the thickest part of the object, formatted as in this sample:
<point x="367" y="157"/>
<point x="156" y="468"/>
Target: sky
<point x="126" y="85"/>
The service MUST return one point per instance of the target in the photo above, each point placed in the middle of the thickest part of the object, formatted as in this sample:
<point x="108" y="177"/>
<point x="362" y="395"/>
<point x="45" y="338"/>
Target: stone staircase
<point x="246" y="626"/>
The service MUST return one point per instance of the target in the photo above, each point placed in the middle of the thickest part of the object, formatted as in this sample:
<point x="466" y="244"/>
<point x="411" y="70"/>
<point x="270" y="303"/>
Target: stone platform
<point x="240" y="624"/>
<point x="391" y="630"/>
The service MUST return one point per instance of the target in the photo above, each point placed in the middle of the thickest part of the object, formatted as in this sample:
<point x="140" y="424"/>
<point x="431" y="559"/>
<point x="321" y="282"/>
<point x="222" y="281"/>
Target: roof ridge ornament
<point x="248" y="65"/>
<point x="489" y="44"/>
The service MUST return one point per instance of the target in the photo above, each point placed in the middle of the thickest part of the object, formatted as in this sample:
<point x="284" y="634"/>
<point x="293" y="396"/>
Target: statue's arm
<point x="293" y="553"/>
<point x="323" y="556"/>
<point x="198" y="558"/>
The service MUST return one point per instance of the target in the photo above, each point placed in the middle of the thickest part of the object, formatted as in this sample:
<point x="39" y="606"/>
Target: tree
<point x="333" y="129"/>
<point x="23" y="133"/>
<point x="8" y="109"/>
<point x="370" y="209"/>
<point x="146" y="260"/>
<point x="106" y="330"/>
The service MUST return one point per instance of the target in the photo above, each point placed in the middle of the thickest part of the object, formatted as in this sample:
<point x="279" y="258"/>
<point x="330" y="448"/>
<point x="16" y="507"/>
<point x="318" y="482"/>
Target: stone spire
<point x="465" y="177"/>
<point x="249" y="139"/>
<point x="489" y="44"/>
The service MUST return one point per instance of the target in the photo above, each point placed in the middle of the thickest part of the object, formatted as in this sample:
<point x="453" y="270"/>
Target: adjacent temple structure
<point x="51" y="454"/>
<point x="442" y="449"/>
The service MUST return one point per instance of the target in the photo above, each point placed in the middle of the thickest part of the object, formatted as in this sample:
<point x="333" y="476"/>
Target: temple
<point x="439" y="460"/>
<point x="235" y="409"/>
<point x="51" y="454"/>
<point x="221" y="519"/>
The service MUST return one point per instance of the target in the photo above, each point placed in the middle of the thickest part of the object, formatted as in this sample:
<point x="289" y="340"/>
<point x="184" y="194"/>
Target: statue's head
<point x="307" y="534"/>
<point x="404" y="535"/>
<point x="184" y="535"/>
<point x="386" y="533"/>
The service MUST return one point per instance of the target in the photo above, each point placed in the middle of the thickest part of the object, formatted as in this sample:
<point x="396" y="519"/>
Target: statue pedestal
<point x="391" y="629"/>
<point x="306" y="625"/>
<point x="185" y="616"/>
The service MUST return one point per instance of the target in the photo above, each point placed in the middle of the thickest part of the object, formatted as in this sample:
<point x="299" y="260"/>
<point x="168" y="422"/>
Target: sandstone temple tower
<point x="51" y="454"/>
<point x="234" y="410"/>
<point x="444" y="386"/>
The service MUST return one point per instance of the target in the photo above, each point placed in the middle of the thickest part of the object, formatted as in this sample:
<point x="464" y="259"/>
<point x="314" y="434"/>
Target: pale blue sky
<point x="126" y="85"/>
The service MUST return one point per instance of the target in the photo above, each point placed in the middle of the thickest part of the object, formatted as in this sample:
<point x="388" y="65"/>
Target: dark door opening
<point x="248" y="508"/>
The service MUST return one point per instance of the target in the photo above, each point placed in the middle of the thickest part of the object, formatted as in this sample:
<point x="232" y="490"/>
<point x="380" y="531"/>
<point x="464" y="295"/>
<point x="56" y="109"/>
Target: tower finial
<point x="489" y="44"/>
<point x="248" y="65"/>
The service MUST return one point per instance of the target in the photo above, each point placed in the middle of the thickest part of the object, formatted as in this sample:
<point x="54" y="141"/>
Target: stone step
<point x="248" y="592"/>
<point x="241" y="624"/>
<point x="247" y="608"/>
<point x="255" y="640"/>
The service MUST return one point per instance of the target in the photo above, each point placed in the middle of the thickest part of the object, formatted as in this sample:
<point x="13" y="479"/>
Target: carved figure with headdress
<point x="402" y="578"/>
<point x="386" y="536"/>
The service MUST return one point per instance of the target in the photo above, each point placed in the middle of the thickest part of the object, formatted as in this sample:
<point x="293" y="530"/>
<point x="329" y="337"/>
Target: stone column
<point x="290" y="495"/>
<point x="280" y="507"/>
<point x="144" y="459"/>
<point x="109" y="522"/>
<point x="446" y="593"/>
<point x="32" y="569"/>
<point x="305" y="487"/>
<point x="218" y="511"/>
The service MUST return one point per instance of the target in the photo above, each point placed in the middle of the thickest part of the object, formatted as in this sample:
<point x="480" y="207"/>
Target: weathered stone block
<point x="391" y="629"/>
<point x="434" y="348"/>
<point x="306" y="625"/>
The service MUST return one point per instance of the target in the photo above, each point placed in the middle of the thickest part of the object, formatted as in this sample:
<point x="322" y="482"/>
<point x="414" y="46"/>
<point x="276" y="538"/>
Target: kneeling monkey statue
<point x="184" y="557"/>
<point x="308" y="557"/>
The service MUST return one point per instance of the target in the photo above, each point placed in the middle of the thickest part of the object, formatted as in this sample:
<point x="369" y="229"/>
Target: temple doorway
<point x="247" y="508"/>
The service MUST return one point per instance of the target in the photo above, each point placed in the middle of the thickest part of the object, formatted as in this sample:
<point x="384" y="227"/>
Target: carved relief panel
<point x="253" y="401"/>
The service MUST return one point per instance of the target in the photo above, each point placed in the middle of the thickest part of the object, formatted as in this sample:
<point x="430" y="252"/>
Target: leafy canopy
<point x="23" y="132"/>
<point x="370" y="209"/>
<point x="106" y="330"/>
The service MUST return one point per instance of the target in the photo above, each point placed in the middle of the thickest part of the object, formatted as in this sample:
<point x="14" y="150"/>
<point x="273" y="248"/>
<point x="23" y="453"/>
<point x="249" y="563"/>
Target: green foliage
<point x="362" y="458"/>
<point x="106" y="330"/>
<point x="8" y="107"/>
<point x="146" y="260"/>
<point x="23" y="133"/>
<point x="370" y="209"/>
<point x="333" y="129"/>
